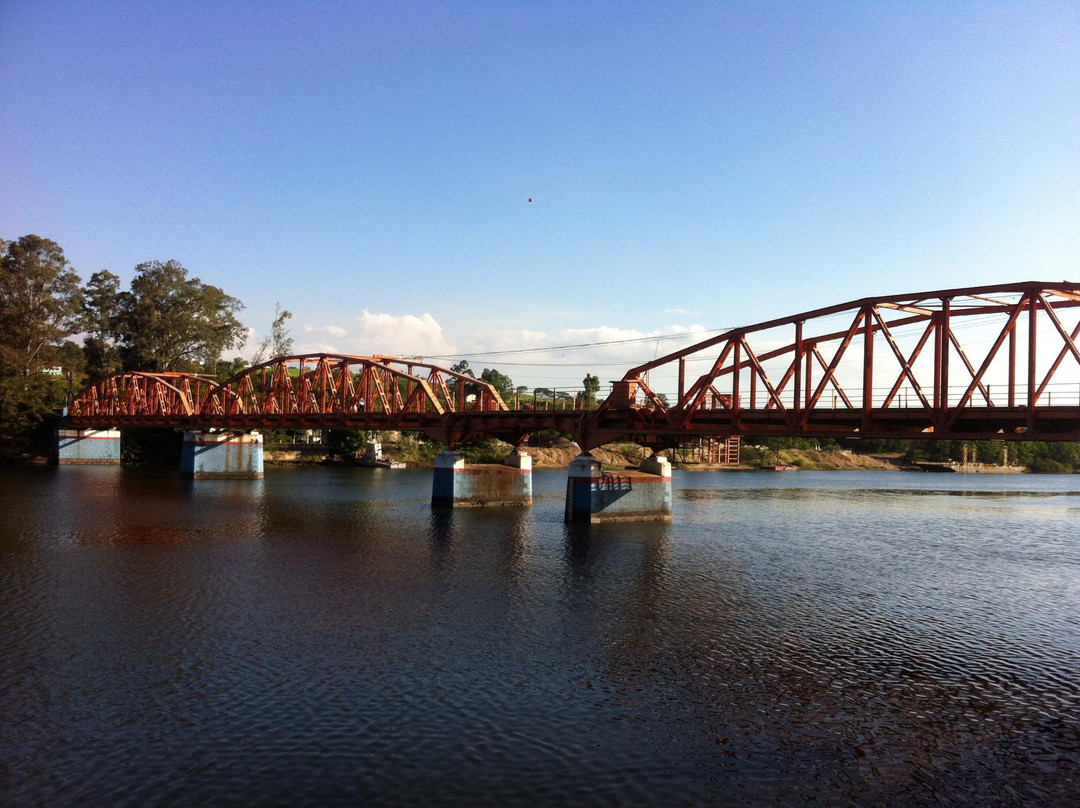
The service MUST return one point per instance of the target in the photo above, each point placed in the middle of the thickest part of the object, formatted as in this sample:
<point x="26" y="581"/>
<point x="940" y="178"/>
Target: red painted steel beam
<point x="379" y="392"/>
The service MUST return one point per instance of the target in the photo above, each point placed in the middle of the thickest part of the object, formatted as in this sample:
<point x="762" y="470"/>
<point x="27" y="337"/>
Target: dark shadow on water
<point x="441" y="540"/>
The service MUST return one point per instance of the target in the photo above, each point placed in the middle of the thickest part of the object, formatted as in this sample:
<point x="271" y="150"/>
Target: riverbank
<point x="617" y="455"/>
<point x="816" y="460"/>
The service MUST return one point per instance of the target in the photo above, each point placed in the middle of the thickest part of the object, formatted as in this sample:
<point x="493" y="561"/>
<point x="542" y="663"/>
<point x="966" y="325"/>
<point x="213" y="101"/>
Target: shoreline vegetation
<point x="158" y="447"/>
<point x="561" y="452"/>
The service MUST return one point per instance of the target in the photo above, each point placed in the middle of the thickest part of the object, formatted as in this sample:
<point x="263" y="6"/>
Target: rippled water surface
<point x="323" y="638"/>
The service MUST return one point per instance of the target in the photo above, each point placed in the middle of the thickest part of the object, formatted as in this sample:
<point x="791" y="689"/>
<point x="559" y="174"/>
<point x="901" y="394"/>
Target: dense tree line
<point x="1048" y="457"/>
<point x="165" y="321"/>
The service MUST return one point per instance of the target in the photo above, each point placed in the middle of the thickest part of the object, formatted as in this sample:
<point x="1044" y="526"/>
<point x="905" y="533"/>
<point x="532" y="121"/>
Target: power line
<point x="569" y="364"/>
<point x="578" y="345"/>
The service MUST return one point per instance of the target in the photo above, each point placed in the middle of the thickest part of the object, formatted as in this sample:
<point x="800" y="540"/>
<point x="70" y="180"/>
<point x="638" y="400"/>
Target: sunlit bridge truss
<point x="994" y="362"/>
<point x="141" y="399"/>
<point x="321" y="391"/>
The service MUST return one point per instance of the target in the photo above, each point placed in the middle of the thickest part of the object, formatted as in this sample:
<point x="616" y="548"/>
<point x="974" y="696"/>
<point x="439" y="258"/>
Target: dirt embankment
<point x="563" y="453"/>
<point x="836" y="461"/>
<point x="618" y="455"/>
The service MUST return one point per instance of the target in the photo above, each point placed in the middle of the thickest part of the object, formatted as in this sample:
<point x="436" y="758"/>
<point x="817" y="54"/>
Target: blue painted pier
<point x="88" y="447"/>
<point x="458" y="485"/>
<point x="222" y="455"/>
<point x="594" y="495"/>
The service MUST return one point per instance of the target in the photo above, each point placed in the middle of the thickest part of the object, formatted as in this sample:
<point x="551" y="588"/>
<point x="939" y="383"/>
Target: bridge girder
<point x="998" y="362"/>
<point x="848" y="370"/>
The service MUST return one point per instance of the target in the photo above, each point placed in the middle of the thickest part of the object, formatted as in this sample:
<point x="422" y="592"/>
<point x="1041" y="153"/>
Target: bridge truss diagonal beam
<point x="997" y="361"/>
<point x="871" y="354"/>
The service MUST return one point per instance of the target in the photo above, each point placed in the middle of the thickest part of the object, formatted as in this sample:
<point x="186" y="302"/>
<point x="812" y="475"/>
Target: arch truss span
<point x="983" y="362"/>
<point x="305" y="391"/>
<point x="140" y="399"/>
<point x="347" y="392"/>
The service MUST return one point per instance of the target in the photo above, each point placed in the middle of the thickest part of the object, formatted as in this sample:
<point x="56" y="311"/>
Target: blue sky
<point x="692" y="166"/>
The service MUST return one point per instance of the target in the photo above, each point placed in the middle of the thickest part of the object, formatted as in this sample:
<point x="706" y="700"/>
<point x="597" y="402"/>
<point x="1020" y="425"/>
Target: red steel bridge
<point x="996" y="362"/>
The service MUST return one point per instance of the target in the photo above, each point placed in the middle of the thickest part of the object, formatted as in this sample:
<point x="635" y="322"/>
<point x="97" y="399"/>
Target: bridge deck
<point x="654" y="427"/>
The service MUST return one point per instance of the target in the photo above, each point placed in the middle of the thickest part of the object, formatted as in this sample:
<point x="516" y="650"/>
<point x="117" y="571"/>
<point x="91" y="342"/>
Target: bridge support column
<point x="88" y="447"/>
<point x="457" y="485"/>
<point x="594" y="495"/>
<point x="222" y="455"/>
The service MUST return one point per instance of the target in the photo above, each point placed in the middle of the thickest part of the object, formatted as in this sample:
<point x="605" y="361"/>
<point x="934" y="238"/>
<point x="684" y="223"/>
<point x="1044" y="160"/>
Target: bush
<point x="345" y="442"/>
<point x="1045" y="465"/>
<point x="484" y="450"/>
<point x="418" y="449"/>
<point x="546" y="438"/>
<point x="756" y="456"/>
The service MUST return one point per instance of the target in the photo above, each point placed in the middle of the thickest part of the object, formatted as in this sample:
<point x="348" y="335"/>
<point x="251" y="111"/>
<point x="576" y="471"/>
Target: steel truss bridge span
<point x="992" y="362"/>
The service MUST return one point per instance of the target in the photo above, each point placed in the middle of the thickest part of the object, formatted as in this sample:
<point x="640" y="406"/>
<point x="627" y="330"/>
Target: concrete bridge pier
<point x="594" y="495"/>
<point x="88" y="447"/>
<point x="222" y="455"/>
<point x="458" y="485"/>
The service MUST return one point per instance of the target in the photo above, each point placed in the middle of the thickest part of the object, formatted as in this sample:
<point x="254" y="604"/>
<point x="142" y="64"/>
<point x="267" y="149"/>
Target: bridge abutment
<point x="594" y="495"/>
<point x="222" y="455"/>
<point x="458" y="485"/>
<point x="88" y="447"/>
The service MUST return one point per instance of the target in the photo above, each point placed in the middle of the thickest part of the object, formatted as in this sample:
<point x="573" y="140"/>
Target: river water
<point x="321" y="637"/>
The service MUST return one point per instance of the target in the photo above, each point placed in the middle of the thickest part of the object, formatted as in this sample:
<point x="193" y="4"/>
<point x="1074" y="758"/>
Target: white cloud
<point x="399" y="335"/>
<point x="317" y="348"/>
<point x="376" y="333"/>
<point x="329" y="330"/>
<point x="605" y="350"/>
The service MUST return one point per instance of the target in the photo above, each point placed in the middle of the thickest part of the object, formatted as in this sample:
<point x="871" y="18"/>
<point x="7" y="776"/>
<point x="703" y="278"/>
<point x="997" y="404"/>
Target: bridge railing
<point x="940" y="352"/>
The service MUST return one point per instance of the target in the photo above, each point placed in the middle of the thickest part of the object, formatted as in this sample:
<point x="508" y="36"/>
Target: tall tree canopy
<point x="101" y="319"/>
<point x="500" y="381"/>
<point x="39" y="308"/>
<point x="169" y="321"/>
<point x="592" y="387"/>
<point x="40" y="303"/>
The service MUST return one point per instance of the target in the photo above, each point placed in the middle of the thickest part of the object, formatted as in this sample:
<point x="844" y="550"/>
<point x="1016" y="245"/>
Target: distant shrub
<point x="485" y="450"/>
<point x="1045" y="465"/>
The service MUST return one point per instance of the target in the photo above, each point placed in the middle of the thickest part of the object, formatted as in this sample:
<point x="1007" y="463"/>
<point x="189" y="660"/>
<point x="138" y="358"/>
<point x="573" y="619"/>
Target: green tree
<point x="101" y="317"/>
<point x="592" y="387"/>
<point x="345" y="442"/>
<point x="463" y="368"/>
<point x="226" y="370"/>
<point x="40" y="303"/>
<point x="169" y="321"/>
<point x="277" y="342"/>
<point x="500" y="381"/>
<point x="72" y="360"/>
<point x="39" y="307"/>
<point x="26" y="402"/>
